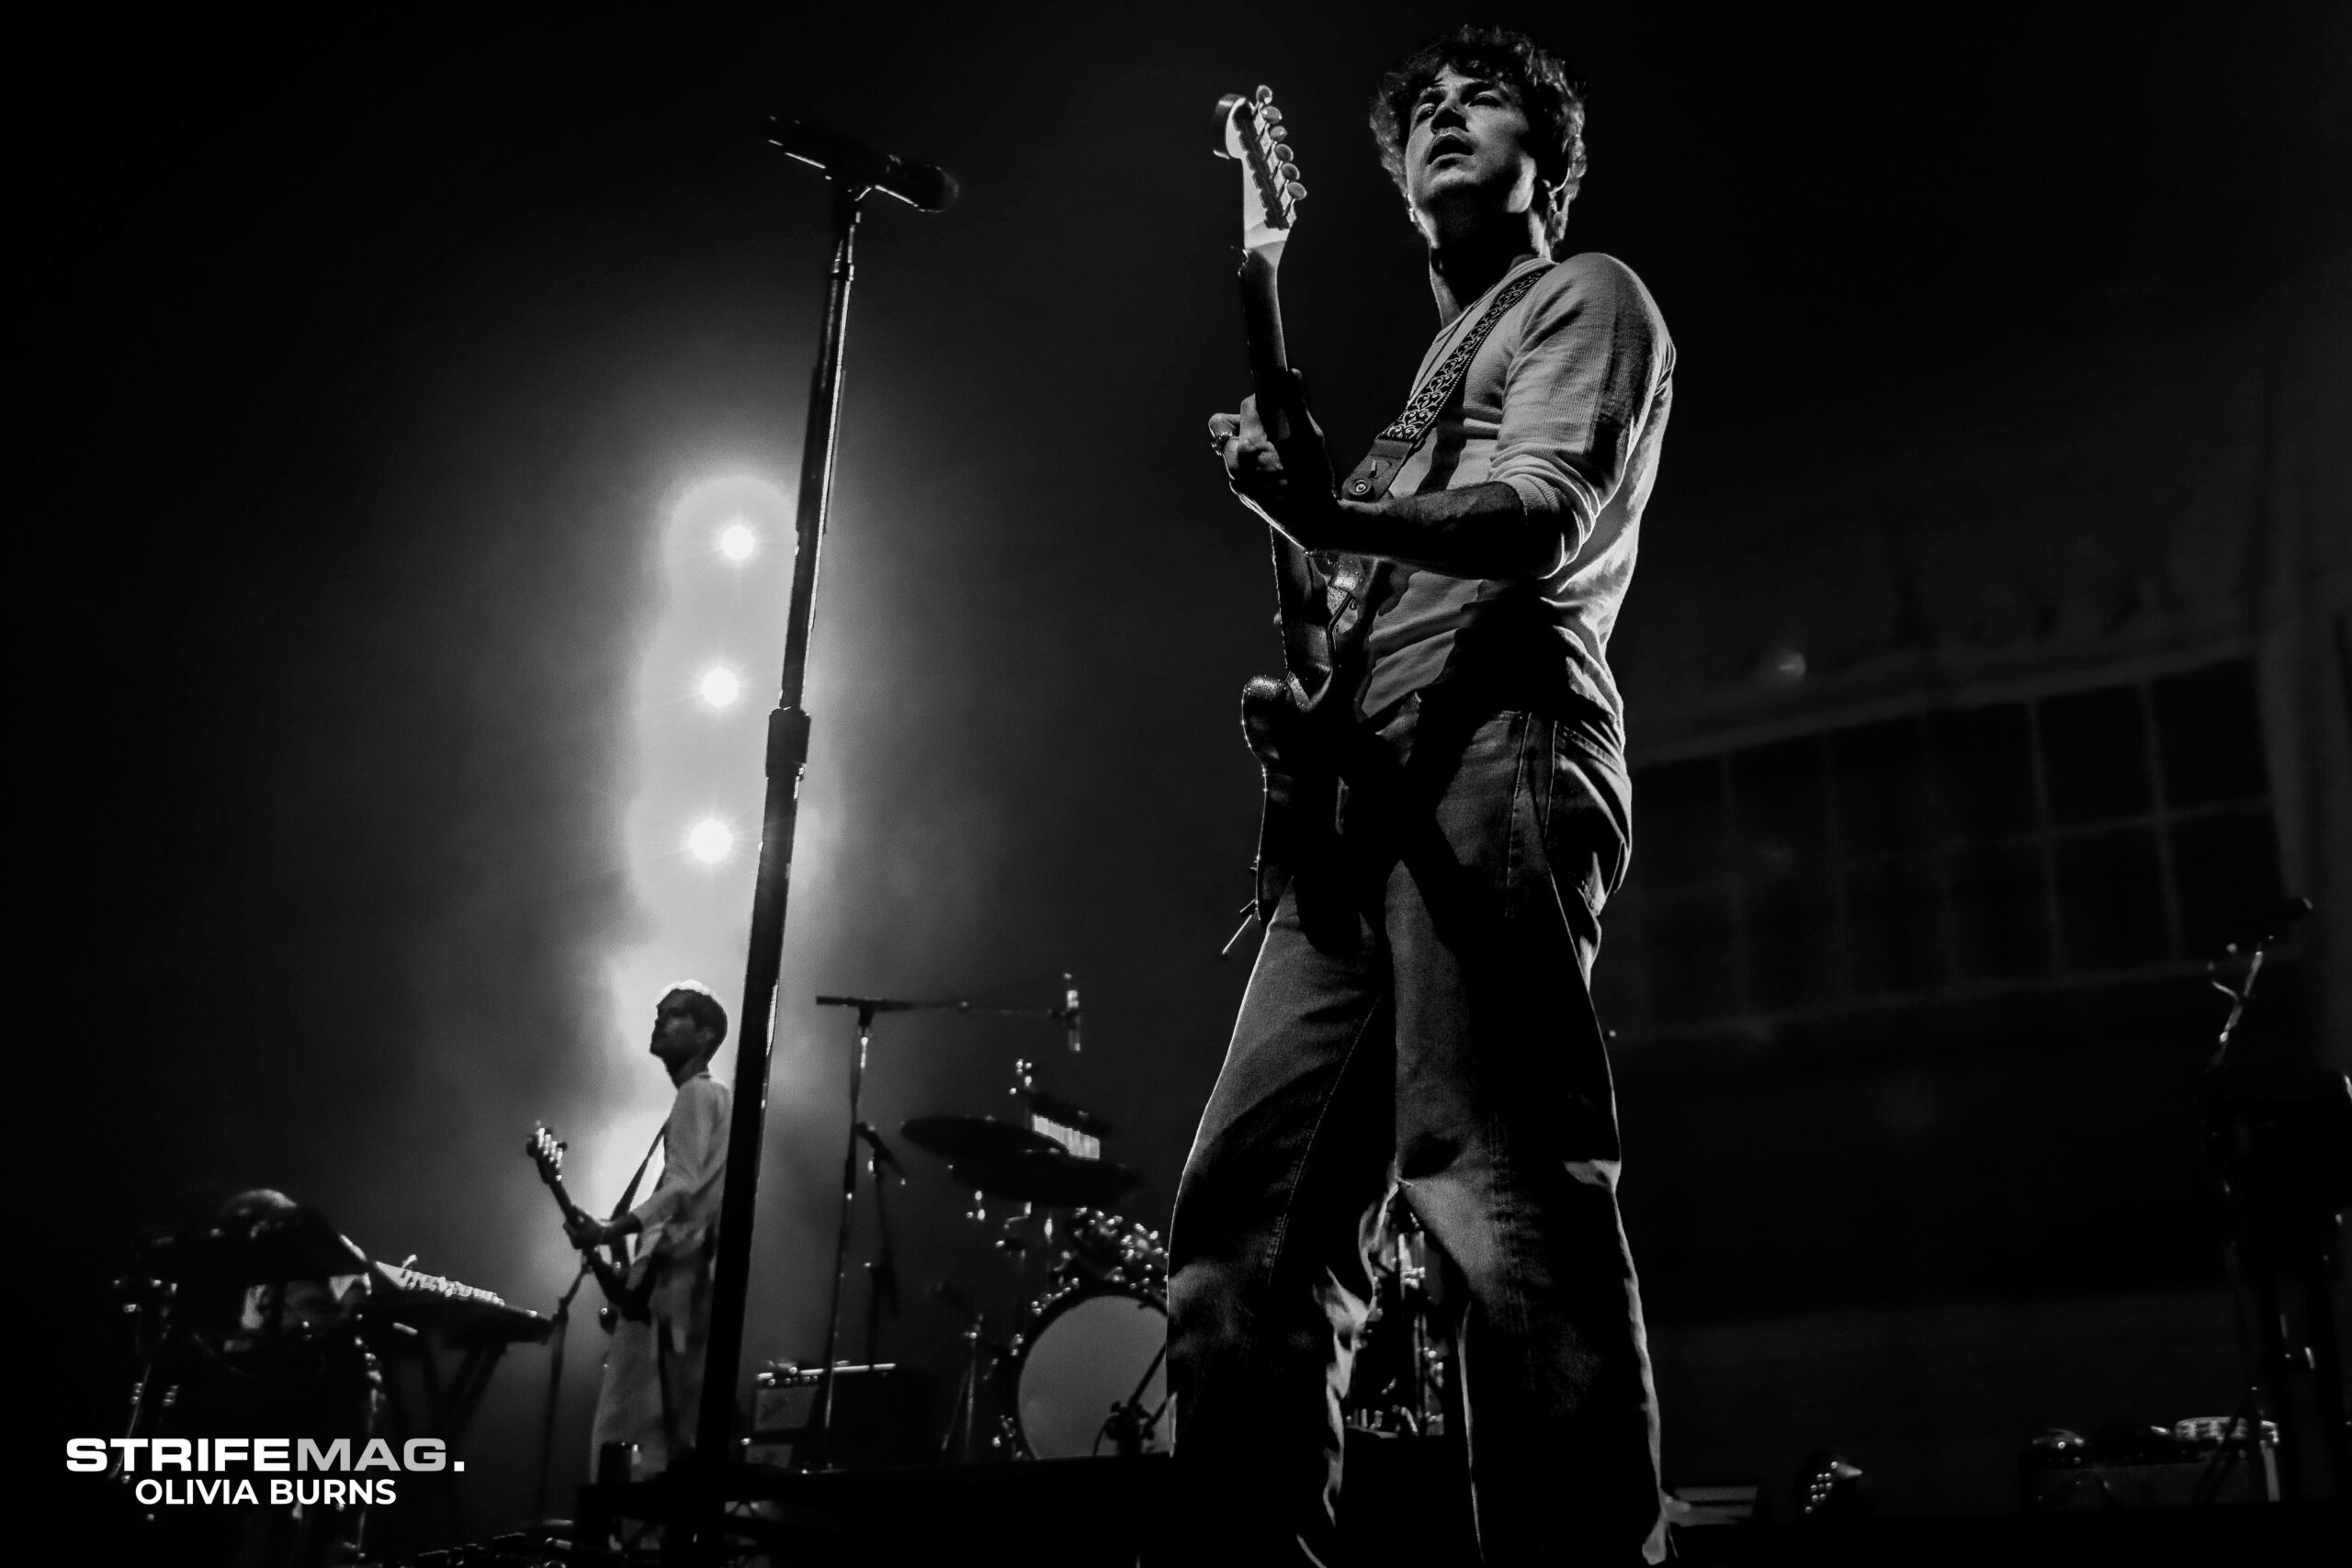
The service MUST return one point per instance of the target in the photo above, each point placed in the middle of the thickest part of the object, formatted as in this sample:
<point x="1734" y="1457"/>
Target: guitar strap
<point x="1370" y="479"/>
<point x="1350" y="578"/>
<point x="628" y="1193"/>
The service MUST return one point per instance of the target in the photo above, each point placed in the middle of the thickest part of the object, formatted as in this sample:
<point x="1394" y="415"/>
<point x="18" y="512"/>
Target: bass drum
<point x="1089" y="1354"/>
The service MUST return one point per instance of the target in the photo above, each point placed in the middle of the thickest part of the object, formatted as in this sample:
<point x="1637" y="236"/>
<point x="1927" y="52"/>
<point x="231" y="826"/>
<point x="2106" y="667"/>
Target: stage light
<point x="738" y="543"/>
<point x="710" y="840"/>
<point x="719" y="687"/>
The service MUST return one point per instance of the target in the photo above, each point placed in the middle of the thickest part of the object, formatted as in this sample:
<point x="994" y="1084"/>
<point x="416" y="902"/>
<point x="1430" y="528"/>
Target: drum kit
<point x="1087" y="1372"/>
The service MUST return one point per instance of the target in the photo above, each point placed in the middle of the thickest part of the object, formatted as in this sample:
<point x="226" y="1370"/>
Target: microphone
<point x="922" y="187"/>
<point x="882" y="1154"/>
<point x="2270" y="930"/>
<point x="1070" y="1013"/>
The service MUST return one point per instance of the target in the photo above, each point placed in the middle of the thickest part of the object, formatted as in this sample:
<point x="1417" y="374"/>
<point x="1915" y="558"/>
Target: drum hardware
<point x="1009" y="1239"/>
<point x="1086" y="1369"/>
<point x="1028" y="1165"/>
<point x="961" y="1439"/>
<point x="1033" y="1164"/>
<point x="882" y="1269"/>
<point x="1129" y="1427"/>
<point x="1398" y="1383"/>
<point x="974" y="1137"/>
<point x="2274" y="1132"/>
<point x="1067" y="1123"/>
<point x="265" y="1318"/>
<point x="1087" y="1374"/>
<point x="1108" y="1250"/>
<point x="1054" y="1180"/>
<point x="1054" y="1108"/>
<point x="252" y="1247"/>
<point x="727" y="1335"/>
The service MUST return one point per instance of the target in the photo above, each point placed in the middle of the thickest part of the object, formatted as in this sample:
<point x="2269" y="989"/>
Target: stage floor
<point x="1115" y="1512"/>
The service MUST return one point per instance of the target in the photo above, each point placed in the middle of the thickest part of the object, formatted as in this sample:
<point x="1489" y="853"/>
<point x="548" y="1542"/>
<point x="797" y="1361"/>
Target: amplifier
<point x="882" y="1415"/>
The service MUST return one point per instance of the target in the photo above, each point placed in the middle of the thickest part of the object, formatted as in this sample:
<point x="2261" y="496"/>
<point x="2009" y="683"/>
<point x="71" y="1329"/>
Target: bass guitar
<point x="1298" y="726"/>
<point x="628" y="1289"/>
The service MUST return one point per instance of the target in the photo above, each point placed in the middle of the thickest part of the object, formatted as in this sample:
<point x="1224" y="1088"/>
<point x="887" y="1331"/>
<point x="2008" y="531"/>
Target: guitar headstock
<point x="546" y="1151"/>
<point x="1249" y="131"/>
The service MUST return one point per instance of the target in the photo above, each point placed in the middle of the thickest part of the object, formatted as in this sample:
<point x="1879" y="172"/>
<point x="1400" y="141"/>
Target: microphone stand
<point x="882" y="1273"/>
<point x="562" y="1322"/>
<point x="821" y="1457"/>
<point x="700" y="1508"/>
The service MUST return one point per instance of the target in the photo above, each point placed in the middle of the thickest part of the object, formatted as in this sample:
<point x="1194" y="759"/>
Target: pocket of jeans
<point x="1581" y="836"/>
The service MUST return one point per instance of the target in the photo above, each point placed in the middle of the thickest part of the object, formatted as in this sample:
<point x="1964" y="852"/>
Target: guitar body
<point x="628" y="1287"/>
<point x="1299" y="726"/>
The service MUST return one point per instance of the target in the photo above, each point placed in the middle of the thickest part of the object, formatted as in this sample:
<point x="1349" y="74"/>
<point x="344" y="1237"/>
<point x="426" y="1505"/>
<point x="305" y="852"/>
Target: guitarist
<point x="653" y="1387"/>
<point x="1419" y="1019"/>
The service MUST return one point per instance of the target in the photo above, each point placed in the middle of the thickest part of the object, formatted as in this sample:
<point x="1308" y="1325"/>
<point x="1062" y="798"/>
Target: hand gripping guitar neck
<point x="627" y="1290"/>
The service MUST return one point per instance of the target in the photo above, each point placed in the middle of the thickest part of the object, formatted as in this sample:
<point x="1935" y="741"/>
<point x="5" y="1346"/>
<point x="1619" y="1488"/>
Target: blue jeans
<point x="1418" y="1022"/>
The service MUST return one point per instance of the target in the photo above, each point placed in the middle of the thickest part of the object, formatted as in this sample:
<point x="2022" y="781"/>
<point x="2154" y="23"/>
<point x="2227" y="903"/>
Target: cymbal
<point x="1051" y="1178"/>
<point x="293" y="1244"/>
<point x="1054" y="1108"/>
<point x="974" y="1137"/>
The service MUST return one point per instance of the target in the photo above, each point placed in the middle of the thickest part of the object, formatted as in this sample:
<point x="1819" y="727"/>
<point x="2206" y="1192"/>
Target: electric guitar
<point x="1296" y="726"/>
<point x="627" y="1290"/>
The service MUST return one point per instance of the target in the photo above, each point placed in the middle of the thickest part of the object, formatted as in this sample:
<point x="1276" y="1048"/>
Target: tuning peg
<point x="1295" y="191"/>
<point x="1289" y="173"/>
<point x="1263" y="96"/>
<point x="1282" y="152"/>
<point x="1270" y="115"/>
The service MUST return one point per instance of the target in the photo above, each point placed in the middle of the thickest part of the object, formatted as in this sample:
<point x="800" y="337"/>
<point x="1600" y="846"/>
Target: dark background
<point x="362" y="362"/>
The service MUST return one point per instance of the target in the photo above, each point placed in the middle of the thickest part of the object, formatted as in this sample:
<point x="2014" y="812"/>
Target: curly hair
<point x="1551" y="99"/>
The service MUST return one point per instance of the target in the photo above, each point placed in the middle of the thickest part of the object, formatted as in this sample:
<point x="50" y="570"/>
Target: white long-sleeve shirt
<point x="1567" y="402"/>
<point x="683" y="1208"/>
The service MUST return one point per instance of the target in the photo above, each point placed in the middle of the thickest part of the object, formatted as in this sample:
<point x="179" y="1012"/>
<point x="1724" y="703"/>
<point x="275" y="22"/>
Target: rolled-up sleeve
<point x="1582" y="377"/>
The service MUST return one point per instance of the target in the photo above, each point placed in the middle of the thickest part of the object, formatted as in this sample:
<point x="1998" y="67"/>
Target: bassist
<point x="1419" y="1021"/>
<point x="651" y="1392"/>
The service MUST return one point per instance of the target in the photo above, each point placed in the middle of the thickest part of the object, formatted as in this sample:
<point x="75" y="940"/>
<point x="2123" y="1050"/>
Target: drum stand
<point x="963" y="1420"/>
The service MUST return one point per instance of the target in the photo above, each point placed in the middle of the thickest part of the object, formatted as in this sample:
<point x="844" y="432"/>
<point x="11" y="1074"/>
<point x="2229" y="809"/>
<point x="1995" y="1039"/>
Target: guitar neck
<point x="571" y="1211"/>
<point x="1262" y="327"/>
<point x="1297" y="586"/>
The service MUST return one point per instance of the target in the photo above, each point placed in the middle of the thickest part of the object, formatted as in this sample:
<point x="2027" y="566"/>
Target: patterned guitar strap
<point x="1350" y="583"/>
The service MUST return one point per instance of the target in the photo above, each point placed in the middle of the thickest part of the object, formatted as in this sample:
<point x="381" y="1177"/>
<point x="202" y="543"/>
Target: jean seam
<point x="1521" y="727"/>
<point x="1274" y="1243"/>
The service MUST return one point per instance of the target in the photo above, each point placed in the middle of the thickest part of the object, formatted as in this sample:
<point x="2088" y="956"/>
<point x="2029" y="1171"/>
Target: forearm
<point x="661" y="1203"/>
<point x="586" y="1230"/>
<point x="1483" y="530"/>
